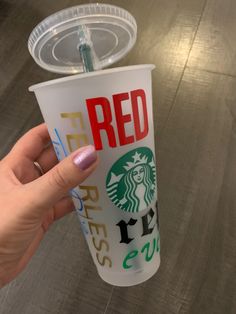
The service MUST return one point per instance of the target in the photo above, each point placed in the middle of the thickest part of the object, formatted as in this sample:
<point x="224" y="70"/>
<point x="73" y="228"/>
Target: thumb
<point x="70" y="172"/>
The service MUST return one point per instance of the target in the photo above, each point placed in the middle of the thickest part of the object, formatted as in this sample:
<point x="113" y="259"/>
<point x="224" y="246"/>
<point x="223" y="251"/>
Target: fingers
<point x="63" y="207"/>
<point x="47" y="159"/>
<point x="56" y="183"/>
<point x="59" y="210"/>
<point x="32" y="143"/>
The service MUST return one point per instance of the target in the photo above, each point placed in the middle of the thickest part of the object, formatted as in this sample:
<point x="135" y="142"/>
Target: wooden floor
<point x="193" y="45"/>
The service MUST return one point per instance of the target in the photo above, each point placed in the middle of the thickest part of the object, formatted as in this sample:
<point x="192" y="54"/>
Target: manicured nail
<point x="85" y="158"/>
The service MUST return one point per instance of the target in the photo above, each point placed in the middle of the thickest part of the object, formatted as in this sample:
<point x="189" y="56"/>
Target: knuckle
<point x="59" y="179"/>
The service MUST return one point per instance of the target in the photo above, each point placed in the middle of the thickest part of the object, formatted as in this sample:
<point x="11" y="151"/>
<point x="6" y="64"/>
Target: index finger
<point x="32" y="143"/>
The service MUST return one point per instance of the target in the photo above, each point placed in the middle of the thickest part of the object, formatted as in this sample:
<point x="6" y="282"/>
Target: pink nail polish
<point x="85" y="158"/>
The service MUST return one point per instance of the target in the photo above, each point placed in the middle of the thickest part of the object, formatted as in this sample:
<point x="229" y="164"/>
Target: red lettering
<point x="96" y="126"/>
<point x="139" y="93"/>
<point x="121" y="119"/>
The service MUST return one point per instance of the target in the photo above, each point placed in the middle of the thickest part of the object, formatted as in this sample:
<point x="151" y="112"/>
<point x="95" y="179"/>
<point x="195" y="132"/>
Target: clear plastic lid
<point x="58" y="43"/>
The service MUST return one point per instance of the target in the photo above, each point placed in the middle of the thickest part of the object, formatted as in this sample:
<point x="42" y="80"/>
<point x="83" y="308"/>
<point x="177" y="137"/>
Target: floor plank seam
<point x="210" y="71"/>
<point x="184" y="69"/>
<point x="109" y="300"/>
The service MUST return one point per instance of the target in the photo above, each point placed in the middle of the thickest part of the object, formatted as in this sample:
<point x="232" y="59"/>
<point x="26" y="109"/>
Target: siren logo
<point x="131" y="182"/>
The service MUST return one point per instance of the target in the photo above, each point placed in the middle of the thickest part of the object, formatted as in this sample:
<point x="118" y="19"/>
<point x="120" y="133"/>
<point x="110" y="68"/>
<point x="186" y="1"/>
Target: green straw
<point x="85" y="50"/>
<point x="86" y="57"/>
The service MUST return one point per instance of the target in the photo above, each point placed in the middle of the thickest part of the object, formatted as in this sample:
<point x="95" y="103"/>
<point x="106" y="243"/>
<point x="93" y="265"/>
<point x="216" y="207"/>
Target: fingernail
<point x="85" y="158"/>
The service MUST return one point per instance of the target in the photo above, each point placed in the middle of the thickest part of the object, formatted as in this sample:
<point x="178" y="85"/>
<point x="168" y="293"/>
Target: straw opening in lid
<point x="54" y="42"/>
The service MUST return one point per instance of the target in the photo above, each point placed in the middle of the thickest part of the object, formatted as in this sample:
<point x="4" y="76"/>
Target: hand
<point x="30" y="203"/>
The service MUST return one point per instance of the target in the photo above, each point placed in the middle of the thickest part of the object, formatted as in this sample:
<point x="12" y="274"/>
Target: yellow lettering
<point x="104" y="259"/>
<point x="74" y="116"/>
<point x="97" y="226"/>
<point x="99" y="246"/>
<point x="91" y="193"/>
<point x="89" y="207"/>
<point x="78" y="139"/>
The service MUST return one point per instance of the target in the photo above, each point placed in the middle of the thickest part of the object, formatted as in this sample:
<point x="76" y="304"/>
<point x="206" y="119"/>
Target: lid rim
<point x="34" y="87"/>
<point x="30" y="46"/>
<point x="81" y="13"/>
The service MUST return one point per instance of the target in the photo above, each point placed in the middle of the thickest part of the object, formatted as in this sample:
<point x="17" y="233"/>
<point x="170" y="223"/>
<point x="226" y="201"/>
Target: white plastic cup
<point x="117" y="204"/>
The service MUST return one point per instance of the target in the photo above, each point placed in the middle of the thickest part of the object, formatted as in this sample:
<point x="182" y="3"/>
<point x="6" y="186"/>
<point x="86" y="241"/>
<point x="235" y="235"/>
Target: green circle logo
<point x="131" y="181"/>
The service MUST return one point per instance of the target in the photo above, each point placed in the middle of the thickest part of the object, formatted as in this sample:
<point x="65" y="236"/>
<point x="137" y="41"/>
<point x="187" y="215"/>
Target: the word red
<point x="102" y="119"/>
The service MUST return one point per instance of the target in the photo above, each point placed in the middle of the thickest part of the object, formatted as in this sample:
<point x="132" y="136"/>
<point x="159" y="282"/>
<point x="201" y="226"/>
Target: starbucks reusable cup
<point x="111" y="109"/>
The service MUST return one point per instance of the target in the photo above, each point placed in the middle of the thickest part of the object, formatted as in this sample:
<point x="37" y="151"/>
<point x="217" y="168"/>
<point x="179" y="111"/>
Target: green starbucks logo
<point x="131" y="181"/>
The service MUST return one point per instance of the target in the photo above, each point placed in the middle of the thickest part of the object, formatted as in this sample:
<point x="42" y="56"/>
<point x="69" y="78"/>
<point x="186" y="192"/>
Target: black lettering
<point x="157" y="214"/>
<point x="124" y="230"/>
<point x="146" y="223"/>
